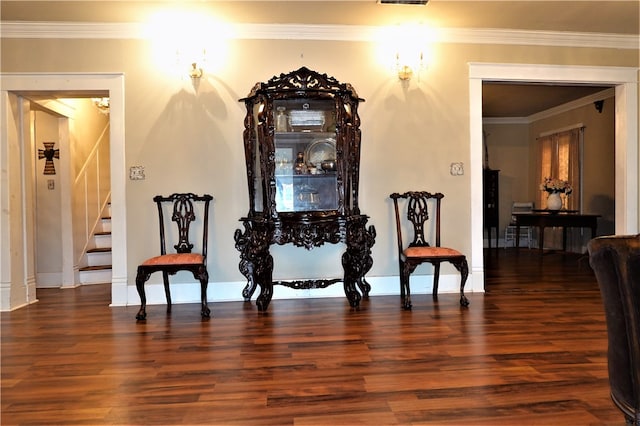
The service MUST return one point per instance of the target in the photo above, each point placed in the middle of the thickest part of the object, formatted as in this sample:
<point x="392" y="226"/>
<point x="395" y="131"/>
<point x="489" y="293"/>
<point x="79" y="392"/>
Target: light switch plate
<point x="457" y="169"/>
<point x="136" y="173"/>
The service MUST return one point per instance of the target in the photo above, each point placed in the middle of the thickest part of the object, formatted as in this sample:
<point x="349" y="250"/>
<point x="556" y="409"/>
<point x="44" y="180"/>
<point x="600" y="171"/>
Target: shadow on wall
<point x="186" y="151"/>
<point x="604" y="206"/>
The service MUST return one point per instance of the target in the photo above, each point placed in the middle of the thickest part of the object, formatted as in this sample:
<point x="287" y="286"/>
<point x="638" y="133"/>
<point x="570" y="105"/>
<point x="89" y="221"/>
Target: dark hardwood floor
<point x="530" y="351"/>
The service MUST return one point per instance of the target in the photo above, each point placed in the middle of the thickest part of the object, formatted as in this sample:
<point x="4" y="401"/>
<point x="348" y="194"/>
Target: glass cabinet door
<point x="305" y="155"/>
<point x="254" y="161"/>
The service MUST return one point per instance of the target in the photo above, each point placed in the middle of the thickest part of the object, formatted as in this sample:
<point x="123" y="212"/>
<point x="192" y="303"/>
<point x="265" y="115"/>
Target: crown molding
<point x="541" y="38"/>
<point x="505" y="120"/>
<point x="100" y="30"/>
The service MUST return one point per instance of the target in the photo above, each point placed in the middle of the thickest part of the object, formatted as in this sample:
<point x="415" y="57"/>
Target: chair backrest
<point x="520" y="207"/>
<point x="417" y="212"/>
<point x="616" y="263"/>
<point x="183" y="213"/>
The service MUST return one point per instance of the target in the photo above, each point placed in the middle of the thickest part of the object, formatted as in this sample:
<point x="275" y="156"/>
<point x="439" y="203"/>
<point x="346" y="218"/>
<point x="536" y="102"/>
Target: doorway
<point x="626" y="137"/>
<point x="16" y="230"/>
<point x="71" y="193"/>
<point x="515" y="119"/>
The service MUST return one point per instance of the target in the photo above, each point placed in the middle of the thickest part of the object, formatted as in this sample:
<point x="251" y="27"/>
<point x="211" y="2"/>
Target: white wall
<point x="48" y="211"/>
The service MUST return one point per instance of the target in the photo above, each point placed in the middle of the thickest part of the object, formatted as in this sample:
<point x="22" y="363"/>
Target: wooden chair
<point x="419" y="250"/>
<point x="615" y="260"/>
<point x="183" y="214"/>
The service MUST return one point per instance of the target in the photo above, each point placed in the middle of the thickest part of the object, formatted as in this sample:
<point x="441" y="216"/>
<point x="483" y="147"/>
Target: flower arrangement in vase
<point x="555" y="187"/>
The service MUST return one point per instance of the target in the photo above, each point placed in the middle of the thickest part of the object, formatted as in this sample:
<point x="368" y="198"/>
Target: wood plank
<point x="531" y="350"/>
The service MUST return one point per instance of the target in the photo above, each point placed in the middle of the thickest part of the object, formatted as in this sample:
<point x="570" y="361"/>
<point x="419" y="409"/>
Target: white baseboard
<point x="48" y="280"/>
<point x="189" y="292"/>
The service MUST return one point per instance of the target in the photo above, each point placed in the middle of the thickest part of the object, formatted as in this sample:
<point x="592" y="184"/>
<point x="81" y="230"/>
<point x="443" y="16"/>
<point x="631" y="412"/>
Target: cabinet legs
<point x="256" y="262"/>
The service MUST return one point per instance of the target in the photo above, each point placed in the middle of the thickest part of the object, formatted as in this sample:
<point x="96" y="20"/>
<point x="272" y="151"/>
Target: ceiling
<point x="608" y="17"/>
<point x="507" y="100"/>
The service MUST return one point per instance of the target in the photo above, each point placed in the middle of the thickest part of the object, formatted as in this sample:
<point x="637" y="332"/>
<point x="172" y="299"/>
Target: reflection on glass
<point x="305" y="158"/>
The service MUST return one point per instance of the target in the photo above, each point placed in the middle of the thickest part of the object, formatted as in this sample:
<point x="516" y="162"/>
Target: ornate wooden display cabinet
<point x="302" y="150"/>
<point x="491" y="201"/>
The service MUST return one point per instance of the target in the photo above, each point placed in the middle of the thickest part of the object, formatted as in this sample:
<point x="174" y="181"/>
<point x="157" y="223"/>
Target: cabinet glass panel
<point x="305" y="155"/>
<point x="258" y="109"/>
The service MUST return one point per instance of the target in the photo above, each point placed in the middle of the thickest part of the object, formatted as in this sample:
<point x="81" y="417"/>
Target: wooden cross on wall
<point x="49" y="153"/>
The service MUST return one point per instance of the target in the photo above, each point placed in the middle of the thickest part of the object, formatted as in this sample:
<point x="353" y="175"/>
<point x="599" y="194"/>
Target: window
<point x="560" y="158"/>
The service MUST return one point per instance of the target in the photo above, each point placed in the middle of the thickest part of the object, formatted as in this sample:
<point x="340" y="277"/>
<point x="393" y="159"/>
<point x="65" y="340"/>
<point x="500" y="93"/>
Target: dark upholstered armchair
<point x="616" y="263"/>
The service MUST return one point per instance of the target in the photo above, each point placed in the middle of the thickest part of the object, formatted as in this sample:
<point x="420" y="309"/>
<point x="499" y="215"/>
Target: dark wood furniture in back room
<point x="302" y="150"/>
<point x="491" y="202"/>
<point x="547" y="219"/>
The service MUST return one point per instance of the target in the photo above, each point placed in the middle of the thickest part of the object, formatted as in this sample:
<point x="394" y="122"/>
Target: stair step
<point x="102" y="239"/>
<point x="95" y="268"/>
<point x="100" y="250"/>
<point x="98" y="258"/>
<point x="105" y="224"/>
<point x="95" y="274"/>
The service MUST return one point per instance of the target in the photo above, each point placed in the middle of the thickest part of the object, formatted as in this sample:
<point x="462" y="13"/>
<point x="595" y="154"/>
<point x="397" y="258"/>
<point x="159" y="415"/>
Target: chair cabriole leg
<point x="204" y="281"/>
<point x="167" y="290"/>
<point x="141" y="277"/>
<point x="436" y="279"/>
<point x="405" y="274"/>
<point x="463" y="267"/>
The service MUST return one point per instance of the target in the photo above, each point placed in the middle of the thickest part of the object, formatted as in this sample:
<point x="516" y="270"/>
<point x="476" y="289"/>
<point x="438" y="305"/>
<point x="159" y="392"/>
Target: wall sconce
<point x="182" y="42"/>
<point x="405" y="71"/>
<point x="192" y="57"/>
<point x="408" y="46"/>
<point x="195" y="73"/>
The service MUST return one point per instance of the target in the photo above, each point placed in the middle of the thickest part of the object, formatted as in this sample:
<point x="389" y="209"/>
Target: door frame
<point x="625" y="80"/>
<point x="68" y="82"/>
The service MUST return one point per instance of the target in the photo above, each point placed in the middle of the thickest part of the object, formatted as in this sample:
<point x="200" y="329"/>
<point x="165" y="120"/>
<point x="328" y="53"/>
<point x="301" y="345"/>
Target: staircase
<point x="98" y="258"/>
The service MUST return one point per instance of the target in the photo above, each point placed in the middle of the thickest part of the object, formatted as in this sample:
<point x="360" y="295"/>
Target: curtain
<point x="560" y="158"/>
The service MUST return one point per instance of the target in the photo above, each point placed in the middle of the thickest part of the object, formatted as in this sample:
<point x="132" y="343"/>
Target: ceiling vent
<point x="415" y="2"/>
